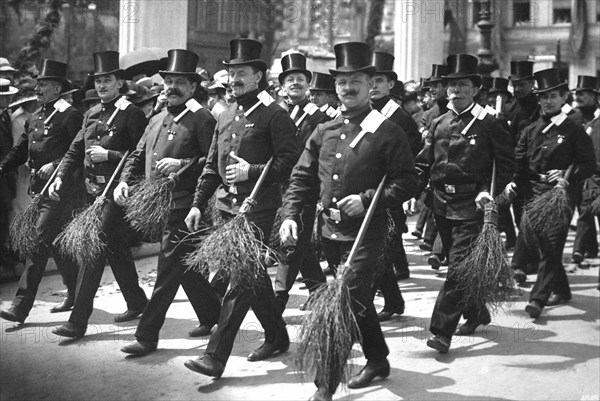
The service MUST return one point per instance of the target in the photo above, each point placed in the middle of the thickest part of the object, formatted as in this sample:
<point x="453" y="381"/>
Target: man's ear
<point x="391" y="84"/>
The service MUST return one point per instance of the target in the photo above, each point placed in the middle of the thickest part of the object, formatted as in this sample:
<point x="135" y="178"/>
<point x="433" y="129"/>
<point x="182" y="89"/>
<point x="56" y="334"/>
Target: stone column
<point x="419" y="40"/>
<point x="152" y="23"/>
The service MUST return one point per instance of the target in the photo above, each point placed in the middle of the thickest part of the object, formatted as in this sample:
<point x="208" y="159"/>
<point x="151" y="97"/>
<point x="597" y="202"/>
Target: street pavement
<point x="556" y="356"/>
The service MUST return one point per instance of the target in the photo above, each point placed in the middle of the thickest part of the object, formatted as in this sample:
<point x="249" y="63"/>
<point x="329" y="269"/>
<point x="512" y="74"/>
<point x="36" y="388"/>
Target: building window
<point x="561" y="11"/>
<point x="522" y="12"/>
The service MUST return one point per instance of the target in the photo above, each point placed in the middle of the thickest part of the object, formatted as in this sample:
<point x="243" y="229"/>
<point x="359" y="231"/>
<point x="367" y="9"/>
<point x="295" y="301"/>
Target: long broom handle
<point x="568" y="172"/>
<point x="261" y="179"/>
<point x="493" y="186"/>
<point x="365" y="224"/>
<point x="114" y="174"/>
<point x="187" y="166"/>
<point x="52" y="177"/>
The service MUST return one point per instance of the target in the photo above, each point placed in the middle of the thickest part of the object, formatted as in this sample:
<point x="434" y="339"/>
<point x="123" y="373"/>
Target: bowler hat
<point x="181" y="62"/>
<point x="437" y="72"/>
<point x="520" y="70"/>
<point x="294" y="62"/>
<point x="322" y="82"/>
<point x="384" y="64"/>
<point x="462" y="66"/>
<point x="54" y="70"/>
<point x="587" y="83"/>
<point x="499" y="85"/>
<point x="352" y="57"/>
<point x="106" y="63"/>
<point x="548" y="80"/>
<point x="246" y="52"/>
<point x="90" y="96"/>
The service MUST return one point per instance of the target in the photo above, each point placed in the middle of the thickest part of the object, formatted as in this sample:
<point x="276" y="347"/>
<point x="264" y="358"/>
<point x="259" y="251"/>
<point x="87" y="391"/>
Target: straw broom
<point x="549" y="209"/>
<point x="485" y="276"/>
<point x="150" y="204"/>
<point x="233" y="248"/>
<point x="23" y="229"/>
<point x="81" y="239"/>
<point x="328" y="333"/>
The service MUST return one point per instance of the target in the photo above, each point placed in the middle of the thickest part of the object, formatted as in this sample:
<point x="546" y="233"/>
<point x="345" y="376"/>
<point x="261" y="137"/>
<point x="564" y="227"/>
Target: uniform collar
<point x="467" y="110"/>
<point x="378" y="104"/>
<point x="49" y="105"/>
<point x="109" y="105"/>
<point x="248" y="99"/>
<point x="356" y="112"/>
<point x="175" y="110"/>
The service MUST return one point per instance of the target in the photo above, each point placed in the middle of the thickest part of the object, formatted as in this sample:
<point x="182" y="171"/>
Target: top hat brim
<point x="559" y="86"/>
<point x="53" y="78"/>
<point x="144" y="99"/>
<point x="284" y="74"/>
<point x="390" y="74"/>
<point x="258" y="63"/>
<point x="518" y="78"/>
<point x="118" y="72"/>
<point x="196" y="77"/>
<point x="582" y="89"/>
<point x="496" y="90"/>
<point x="476" y="78"/>
<point x="369" y="70"/>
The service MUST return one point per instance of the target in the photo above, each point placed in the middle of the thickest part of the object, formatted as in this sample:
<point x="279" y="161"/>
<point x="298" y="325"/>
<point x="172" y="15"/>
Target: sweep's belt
<point x="98" y="179"/>
<point x="455" y="188"/>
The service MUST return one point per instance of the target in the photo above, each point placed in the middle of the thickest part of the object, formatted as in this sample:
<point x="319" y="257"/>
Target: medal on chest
<point x="560" y="138"/>
<point x="170" y="135"/>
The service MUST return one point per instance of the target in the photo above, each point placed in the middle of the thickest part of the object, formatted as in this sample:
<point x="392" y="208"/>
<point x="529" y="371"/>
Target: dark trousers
<point x="114" y="232"/>
<point x="551" y="275"/>
<point x="300" y="257"/>
<point x="431" y="230"/>
<point x="365" y="267"/>
<point x="238" y="300"/>
<point x="457" y="236"/>
<point x="586" y="237"/>
<point x="48" y="227"/>
<point x="506" y="225"/>
<point x="424" y="216"/>
<point x="171" y="273"/>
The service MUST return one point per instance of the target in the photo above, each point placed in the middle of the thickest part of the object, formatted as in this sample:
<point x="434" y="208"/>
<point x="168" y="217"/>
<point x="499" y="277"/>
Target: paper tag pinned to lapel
<point x="566" y="108"/>
<point x="370" y="124"/>
<point x="588" y="130"/>
<point x="61" y="105"/>
<point x="310" y="108"/>
<point x="555" y="121"/>
<point x="479" y="113"/>
<point x="122" y="103"/>
<point x="390" y="108"/>
<point x="263" y="98"/>
<point x="490" y="110"/>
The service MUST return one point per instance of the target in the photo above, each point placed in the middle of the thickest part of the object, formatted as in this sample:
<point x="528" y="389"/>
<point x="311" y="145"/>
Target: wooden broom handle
<point x="184" y="168"/>
<point x="114" y="174"/>
<point x="261" y="179"/>
<point x="52" y="177"/>
<point x="365" y="224"/>
<point x="568" y="172"/>
<point x="493" y="186"/>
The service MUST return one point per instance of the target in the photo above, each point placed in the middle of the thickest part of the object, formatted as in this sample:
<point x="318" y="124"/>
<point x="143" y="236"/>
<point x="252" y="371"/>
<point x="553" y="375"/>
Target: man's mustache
<point x="174" y="91"/>
<point x="350" y="93"/>
<point x="238" y="83"/>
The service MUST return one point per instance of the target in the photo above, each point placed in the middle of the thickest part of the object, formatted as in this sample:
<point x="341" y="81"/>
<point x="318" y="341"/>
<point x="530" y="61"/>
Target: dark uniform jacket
<point x="588" y="113"/>
<point x="306" y="118"/>
<point x="40" y="145"/>
<point x="537" y="153"/>
<point x="255" y="132"/>
<point x="185" y="139"/>
<point x="330" y="169"/>
<point x="520" y="113"/>
<point x="121" y="136"/>
<point x="440" y="107"/>
<point x="460" y="166"/>
<point x="8" y="180"/>
<point x="397" y="115"/>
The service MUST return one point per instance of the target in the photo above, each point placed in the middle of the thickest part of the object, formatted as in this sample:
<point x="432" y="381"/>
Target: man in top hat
<point x="48" y="133"/>
<point x="179" y="135"/>
<point x="482" y="95"/>
<point x="499" y="88"/>
<point x="109" y="130"/>
<point x="322" y="90"/>
<point x="294" y="80"/>
<point x="525" y="109"/>
<point x="251" y="131"/>
<point x="458" y="162"/>
<point x="545" y="151"/>
<point x="343" y="165"/>
<point x="395" y="262"/>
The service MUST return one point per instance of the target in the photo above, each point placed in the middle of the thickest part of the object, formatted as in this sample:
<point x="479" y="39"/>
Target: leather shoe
<point x="417" y="234"/>
<point x="269" y="349"/>
<point x="206" y="365"/>
<point x="201" y="331"/>
<point x="321" y="395"/>
<point x="534" y="308"/>
<point x="426" y="246"/>
<point x="440" y="343"/>
<point x="128" y="315"/>
<point x="370" y="372"/>
<point x="65" y="306"/>
<point x="402" y="275"/>
<point x="520" y="276"/>
<point x="468" y="328"/>
<point x="386" y="314"/>
<point x="140" y="348"/>
<point x="11" y="315"/>
<point x="434" y="261"/>
<point x="556" y="299"/>
<point x="69" y="330"/>
<point x="577" y="257"/>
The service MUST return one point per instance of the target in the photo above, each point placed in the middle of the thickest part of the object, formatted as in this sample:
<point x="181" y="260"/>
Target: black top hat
<point x="520" y="70"/>
<point x="322" y="82"/>
<point x="72" y="88"/>
<point x="106" y="63"/>
<point x="294" y="62"/>
<point x="437" y="72"/>
<point x="499" y="85"/>
<point x="462" y="66"/>
<point x="54" y="70"/>
<point x="181" y="62"/>
<point x="352" y="57"/>
<point x="425" y="84"/>
<point x="384" y="63"/>
<point x="587" y="83"/>
<point x="486" y="82"/>
<point x="246" y="52"/>
<point x="548" y="80"/>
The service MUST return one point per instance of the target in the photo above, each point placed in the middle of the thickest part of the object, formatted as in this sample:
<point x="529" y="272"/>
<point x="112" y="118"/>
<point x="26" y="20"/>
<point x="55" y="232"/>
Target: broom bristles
<point x="23" y="229"/>
<point x="149" y="206"/>
<point x="546" y="211"/>
<point x="81" y="239"/>
<point x="234" y="249"/>
<point x="328" y="334"/>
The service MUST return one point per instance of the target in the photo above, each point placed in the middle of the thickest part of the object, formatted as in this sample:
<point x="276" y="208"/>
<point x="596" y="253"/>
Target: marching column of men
<point x="328" y="161"/>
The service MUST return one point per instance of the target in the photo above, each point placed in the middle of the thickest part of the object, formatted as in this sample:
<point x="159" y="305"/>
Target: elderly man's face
<point x="461" y="93"/>
<point x="295" y="85"/>
<point x="353" y="89"/>
<point x="523" y="88"/>
<point x="243" y="79"/>
<point x="179" y="89"/>
<point x="47" y="90"/>
<point x="585" y="98"/>
<point x="108" y="87"/>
